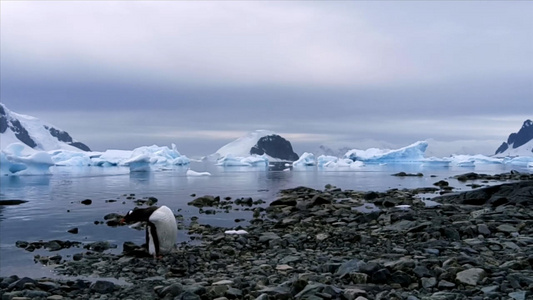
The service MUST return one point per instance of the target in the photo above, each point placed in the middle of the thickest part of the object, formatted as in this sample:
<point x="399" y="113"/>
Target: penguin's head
<point x="138" y="215"/>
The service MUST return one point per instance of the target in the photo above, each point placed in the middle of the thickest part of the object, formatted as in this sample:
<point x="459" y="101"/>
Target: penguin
<point x="161" y="228"/>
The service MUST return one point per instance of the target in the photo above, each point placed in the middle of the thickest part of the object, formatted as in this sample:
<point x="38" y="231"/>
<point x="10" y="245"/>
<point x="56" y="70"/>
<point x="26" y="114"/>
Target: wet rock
<point x="205" y="201"/>
<point x="21" y="283"/>
<point x="74" y="230"/>
<point x="12" y="202"/>
<point x="103" y="287"/>
<point x="21" y="244"/>
<point x="171" y="290"/>
<point x="87" y="202"/>
<point x="100" y="246"/>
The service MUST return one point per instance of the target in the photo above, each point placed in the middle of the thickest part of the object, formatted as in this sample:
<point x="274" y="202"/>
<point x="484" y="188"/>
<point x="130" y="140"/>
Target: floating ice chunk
<point x="322" y="160"/>
<point x="139" y="163"/>
<point x="197" y="174"/>
<point x="469" y="160"/>
<point x="523" y="161"/>
<point x="20" y="159"/>
<point x="141" y="159"/>
<point x="412" y="153"/>
<point x="111" y="157"/>
<point x="240" y="231"/>
<point x="334" y="162"/>
<point x="71" y="158"/>
<point x="436" y="162"/>
<point x="253" y="160"/>
<point x="161" y="155"/>
<point x="306" y="159"/>
<point x="9" y="167"/>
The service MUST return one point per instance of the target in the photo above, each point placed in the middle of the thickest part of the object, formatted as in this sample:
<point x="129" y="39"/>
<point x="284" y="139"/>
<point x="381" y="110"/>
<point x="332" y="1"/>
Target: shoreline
<point x="315" y="244"/>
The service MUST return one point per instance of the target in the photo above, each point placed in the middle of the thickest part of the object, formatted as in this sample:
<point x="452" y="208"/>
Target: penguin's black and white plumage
<point x="161" y="228"/>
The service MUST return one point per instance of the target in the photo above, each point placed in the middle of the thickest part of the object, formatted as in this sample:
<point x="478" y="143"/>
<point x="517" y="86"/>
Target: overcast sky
<point x="118" y="75"/>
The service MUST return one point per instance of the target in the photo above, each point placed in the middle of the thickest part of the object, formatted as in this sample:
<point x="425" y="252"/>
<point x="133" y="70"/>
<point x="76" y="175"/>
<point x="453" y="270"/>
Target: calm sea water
<point x="55" y="200"/>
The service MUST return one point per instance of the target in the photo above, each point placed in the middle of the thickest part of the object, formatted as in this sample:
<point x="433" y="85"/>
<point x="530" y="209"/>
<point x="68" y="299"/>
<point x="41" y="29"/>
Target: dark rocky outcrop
<point x="517" y="193"/>
<point x="63" y="136"/>
<point x="274" y="146"/>
<point x="515" y="140"/>
<point x="20" y="132"/>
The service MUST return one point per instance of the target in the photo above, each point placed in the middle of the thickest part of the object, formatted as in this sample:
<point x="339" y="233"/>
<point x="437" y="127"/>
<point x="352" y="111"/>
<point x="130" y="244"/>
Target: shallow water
<point x="55" y="200"/>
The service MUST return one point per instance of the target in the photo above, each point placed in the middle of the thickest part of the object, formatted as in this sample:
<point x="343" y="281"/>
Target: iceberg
<point x="519" y="161"/>
<point x="472" y="160"/>
<point x="110" y="158"/>
<point x="323" y="160"/>
<point x="252" y="160"/>
<point x="19" y="159"/>
<point x="69" y="158"/>
<point x="412" y="153"/>
<point x="306" y="159"/>
<point x="343" y="163"/>
<point x="157" y="156"/>
<point x="139" y="163"/>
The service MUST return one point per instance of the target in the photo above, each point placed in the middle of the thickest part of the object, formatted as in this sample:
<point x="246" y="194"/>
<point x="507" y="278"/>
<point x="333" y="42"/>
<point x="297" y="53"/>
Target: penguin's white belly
<point x="166" y="228"/>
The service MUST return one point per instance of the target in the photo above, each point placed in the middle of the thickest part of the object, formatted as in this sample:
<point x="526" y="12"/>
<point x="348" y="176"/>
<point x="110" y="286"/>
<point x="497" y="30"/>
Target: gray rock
<point x="47" y="285"/>
<point x="172" y="290"/>
<point x="187" y="295"/>
<point x="351" y="266"/>
<point x="309" y="290"/>
<point x="471" y="276"/>
<point x="217" y="290"/>
<point x="268" y="236"/>
<point x="19" y="284"/>
<point x="290" y="259"/>
<point x="233" y="293"/>
<point x="402" y="225"/>
<point x="353" y="293"/>
<point x="421" y="271"/>
<point x="103" y="287"/>
<point x="483" y="229"/>
<point x="518" y="295"/>
<point x="276" y="291"/>
<point x="35" y="294"/>
<point x="359" y="278"/>
<point x="428" y="282"/>
<point x="507" y="228"/>
<point x="444" y="284"/>
<point x="490" y="289"/>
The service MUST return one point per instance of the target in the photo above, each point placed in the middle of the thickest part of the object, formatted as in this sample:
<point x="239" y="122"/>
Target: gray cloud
<point x="202" y="73"/>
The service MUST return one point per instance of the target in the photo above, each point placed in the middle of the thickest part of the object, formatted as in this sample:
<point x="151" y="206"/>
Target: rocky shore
<point x="323" y="244"/>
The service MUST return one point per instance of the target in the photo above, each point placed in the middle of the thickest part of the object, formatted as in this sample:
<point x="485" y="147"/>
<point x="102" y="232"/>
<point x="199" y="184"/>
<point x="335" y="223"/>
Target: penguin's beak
<point x="122" y="221"/>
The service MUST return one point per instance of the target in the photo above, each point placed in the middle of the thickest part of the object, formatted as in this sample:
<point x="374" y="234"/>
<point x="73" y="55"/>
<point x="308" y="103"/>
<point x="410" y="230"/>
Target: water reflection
<point x="141" y="177"/>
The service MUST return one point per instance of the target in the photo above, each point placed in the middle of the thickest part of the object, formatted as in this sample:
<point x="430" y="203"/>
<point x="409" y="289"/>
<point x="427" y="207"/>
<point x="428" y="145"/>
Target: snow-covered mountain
<point x="260" y="142"/>
<point x="39" y="135"/>
<point x="325" y="150"/>
<point x="518" y="143"/>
